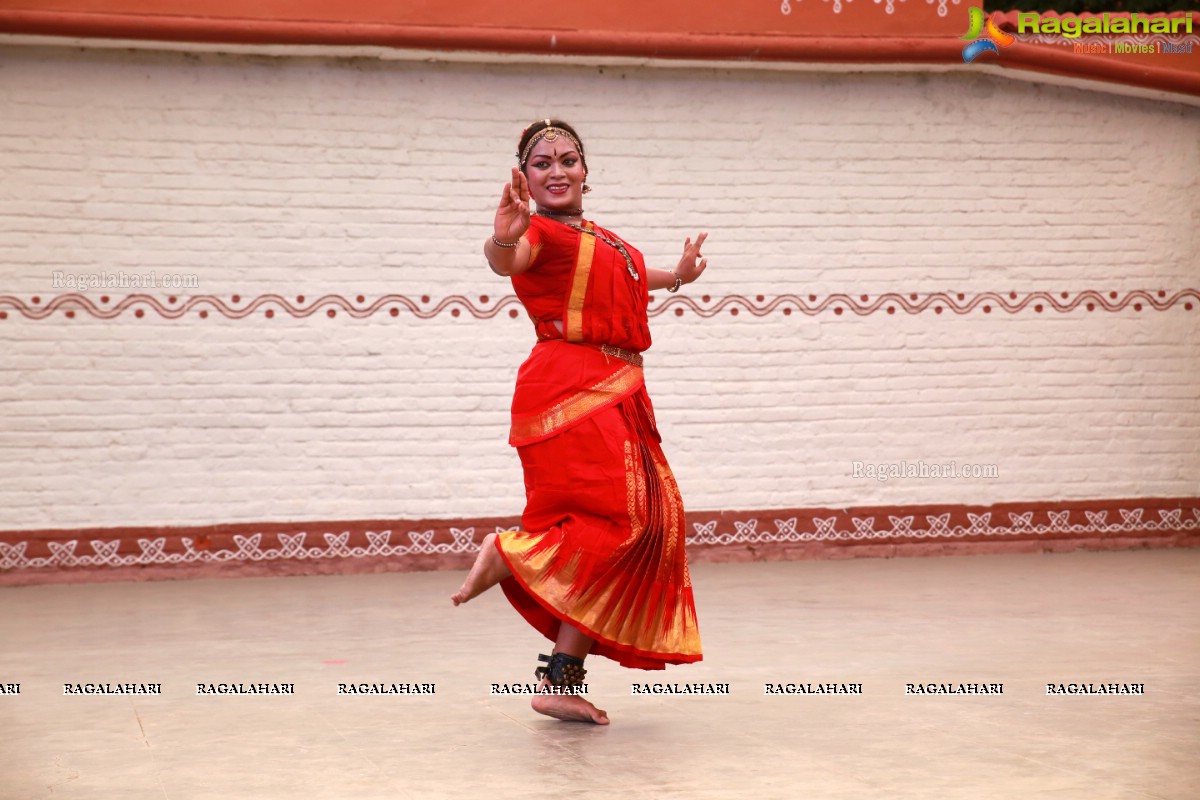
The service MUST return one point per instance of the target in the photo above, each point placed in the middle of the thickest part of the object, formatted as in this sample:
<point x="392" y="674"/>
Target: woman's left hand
<point x="692" y="264"/>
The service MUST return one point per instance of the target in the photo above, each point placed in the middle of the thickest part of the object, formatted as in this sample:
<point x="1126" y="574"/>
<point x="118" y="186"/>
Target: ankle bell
<point x="561" y="670"/>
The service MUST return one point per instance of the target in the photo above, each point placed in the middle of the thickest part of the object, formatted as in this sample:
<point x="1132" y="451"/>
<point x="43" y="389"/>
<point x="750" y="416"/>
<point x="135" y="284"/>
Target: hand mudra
<point x="512" y="215"/>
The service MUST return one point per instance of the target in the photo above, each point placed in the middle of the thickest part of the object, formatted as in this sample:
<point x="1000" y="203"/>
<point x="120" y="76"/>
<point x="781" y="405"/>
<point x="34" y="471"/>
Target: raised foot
<point x="568" y="707"/>
<point x="488" y="570"/>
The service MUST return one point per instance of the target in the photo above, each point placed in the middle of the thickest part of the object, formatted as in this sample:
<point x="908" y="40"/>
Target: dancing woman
<point x="599" y="566"/>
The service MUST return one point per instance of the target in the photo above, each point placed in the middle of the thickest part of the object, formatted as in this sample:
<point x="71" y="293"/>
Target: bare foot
<point x="488" y="570"/>
<point x="569" y="707"/>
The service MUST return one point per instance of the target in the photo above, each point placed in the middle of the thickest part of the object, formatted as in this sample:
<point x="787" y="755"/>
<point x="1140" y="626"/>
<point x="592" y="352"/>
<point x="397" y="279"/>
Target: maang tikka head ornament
<point x="550" y="133"/>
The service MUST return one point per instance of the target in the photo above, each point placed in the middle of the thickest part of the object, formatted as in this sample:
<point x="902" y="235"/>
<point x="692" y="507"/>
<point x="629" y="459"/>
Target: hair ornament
<point x="550" y="133"/>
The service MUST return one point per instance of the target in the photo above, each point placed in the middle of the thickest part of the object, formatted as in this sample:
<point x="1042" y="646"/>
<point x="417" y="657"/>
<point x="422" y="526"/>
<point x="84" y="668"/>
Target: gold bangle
<point x="678" y="282"/>
<point x="506" y="245"/>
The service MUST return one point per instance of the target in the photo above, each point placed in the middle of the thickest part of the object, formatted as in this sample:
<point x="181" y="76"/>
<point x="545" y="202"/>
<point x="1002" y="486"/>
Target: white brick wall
<point x="306" y="176"/>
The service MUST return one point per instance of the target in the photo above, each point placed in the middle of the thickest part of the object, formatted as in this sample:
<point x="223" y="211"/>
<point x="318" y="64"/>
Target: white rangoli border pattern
<point x="292" y="546"/>
<point x="864" y="528"/>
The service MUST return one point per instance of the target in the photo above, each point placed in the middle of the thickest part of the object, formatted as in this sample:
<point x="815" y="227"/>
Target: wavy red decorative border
<point x="106" y="307"/>
<point x="275" y="548"/>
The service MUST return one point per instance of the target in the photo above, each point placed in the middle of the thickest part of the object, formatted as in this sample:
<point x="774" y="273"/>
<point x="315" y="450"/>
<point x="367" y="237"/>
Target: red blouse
<point x="580" y="280"/>
<point x="583" y="282"/>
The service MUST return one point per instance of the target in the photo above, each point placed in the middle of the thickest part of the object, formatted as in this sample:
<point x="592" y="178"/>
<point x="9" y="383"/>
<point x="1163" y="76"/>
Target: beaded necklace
<point x="614" y="243"/>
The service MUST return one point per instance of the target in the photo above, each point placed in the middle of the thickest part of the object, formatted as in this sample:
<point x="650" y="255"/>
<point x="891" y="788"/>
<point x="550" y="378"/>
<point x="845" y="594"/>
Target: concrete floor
<point x="1024" y="620"/>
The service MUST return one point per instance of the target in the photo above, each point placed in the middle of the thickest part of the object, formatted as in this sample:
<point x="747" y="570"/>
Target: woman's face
<point x="555" y="174"/>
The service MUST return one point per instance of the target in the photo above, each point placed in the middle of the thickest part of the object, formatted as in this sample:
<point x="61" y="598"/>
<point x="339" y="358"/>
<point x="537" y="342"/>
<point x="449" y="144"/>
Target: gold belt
<point x="630" y="356"/>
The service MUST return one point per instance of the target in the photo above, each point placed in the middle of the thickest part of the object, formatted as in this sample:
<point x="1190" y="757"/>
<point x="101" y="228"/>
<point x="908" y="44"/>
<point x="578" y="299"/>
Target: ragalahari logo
<point x="991" y="43"/>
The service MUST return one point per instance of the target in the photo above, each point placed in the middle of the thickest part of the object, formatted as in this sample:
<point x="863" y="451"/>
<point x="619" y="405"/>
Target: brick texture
<point x="307" y="177"/>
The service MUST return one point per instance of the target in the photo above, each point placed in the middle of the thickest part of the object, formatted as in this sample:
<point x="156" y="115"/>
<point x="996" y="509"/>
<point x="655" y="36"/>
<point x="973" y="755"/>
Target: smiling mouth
<point x="558" y="188"/>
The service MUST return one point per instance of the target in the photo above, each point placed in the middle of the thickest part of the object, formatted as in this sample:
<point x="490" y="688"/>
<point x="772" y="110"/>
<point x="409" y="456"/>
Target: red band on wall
<point x="282" y="548"/>
<point x="869" y="47"/>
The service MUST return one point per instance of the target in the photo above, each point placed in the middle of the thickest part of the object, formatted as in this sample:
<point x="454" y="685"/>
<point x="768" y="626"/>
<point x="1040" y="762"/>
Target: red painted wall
<point x="837" y="31"/>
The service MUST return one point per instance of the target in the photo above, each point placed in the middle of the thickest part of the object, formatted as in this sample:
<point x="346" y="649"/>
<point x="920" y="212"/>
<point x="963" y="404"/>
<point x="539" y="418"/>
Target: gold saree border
<point x="578" y="406"/>
<point x="555" y="592"/>
<point x="579" y="281"/>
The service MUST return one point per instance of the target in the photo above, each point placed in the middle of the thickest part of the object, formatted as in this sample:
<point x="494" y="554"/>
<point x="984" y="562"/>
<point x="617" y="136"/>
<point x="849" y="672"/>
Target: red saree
<point x="602" y="545"/>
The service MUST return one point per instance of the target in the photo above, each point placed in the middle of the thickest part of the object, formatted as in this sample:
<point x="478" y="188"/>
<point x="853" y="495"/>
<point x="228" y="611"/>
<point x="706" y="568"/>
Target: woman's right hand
<point x="512" y="220"/>
<point x="512" y="215"/>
